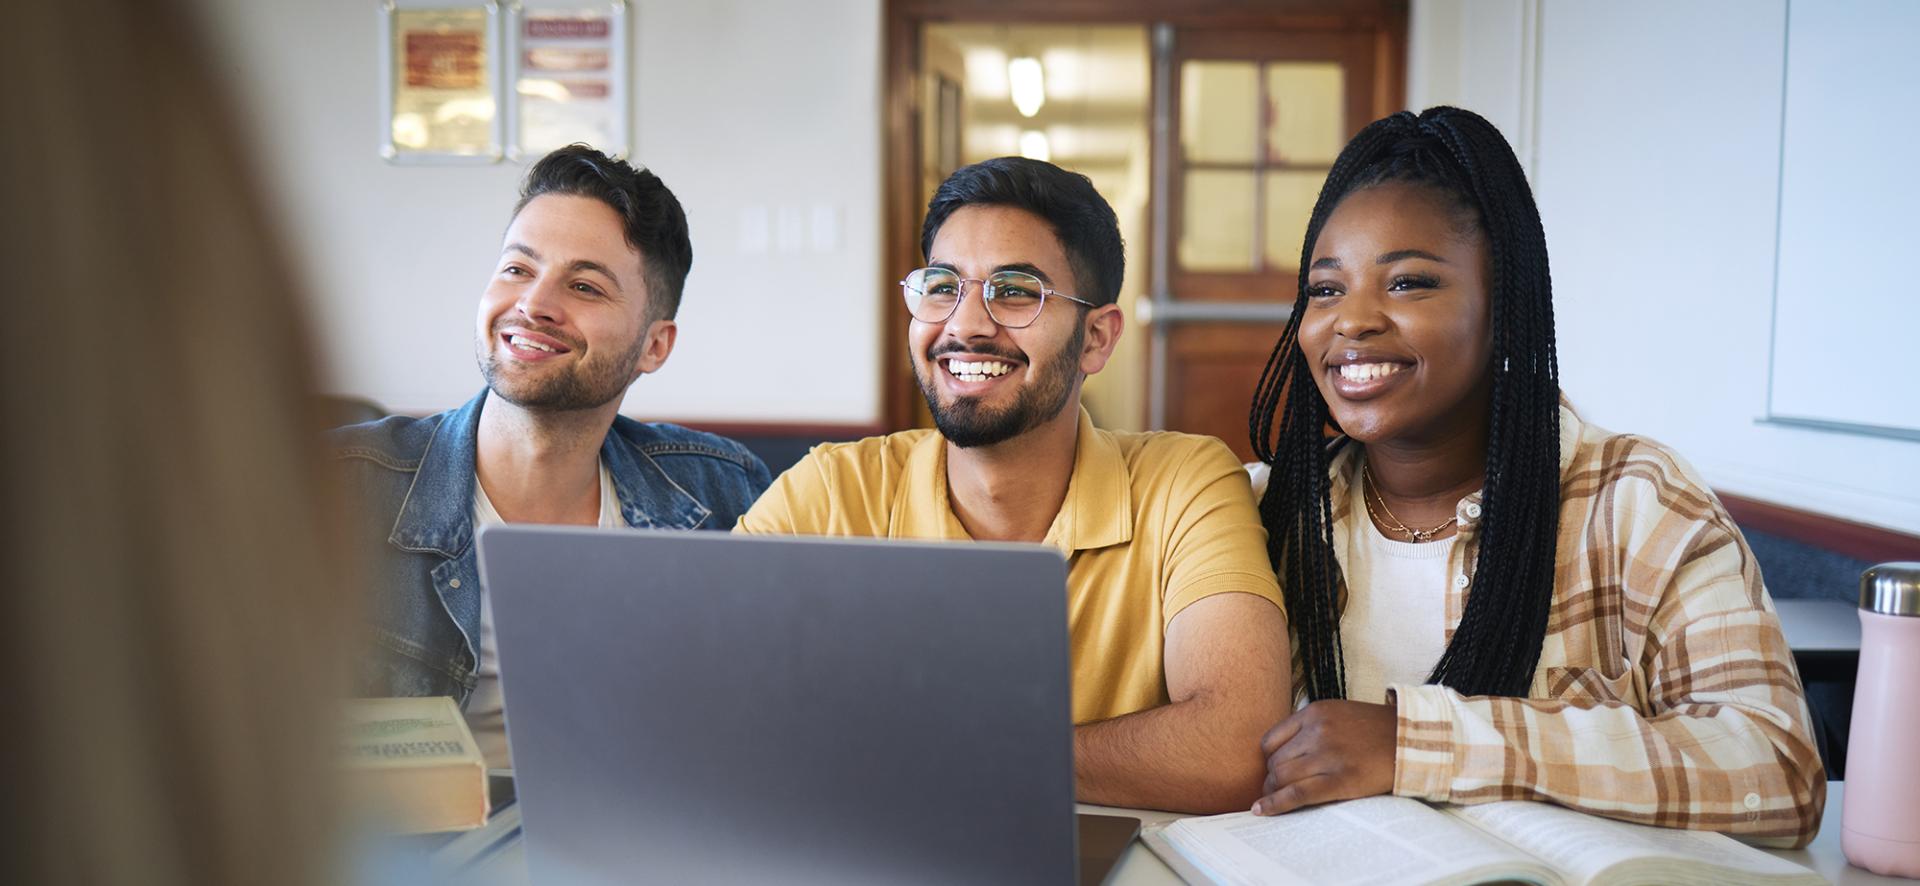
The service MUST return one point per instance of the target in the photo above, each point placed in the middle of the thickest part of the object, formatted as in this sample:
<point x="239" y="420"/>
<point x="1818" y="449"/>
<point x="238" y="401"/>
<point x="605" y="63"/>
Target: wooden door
<point x="1247" y="124"/>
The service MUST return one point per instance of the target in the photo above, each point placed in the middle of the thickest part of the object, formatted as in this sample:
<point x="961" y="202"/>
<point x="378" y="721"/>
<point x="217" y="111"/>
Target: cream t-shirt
<point x="1395" y="625"/>
<point x="486" y="708"/>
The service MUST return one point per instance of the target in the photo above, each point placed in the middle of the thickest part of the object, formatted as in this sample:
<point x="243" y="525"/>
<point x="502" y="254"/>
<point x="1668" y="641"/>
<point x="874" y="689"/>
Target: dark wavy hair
<point x="1462" y="156"/>
<point x="650" y="216"/>
<point x="1089" y="232"/>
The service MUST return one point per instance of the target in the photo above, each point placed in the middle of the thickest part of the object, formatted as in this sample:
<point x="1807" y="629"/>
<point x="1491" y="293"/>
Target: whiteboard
<point x="1847" y="285"/>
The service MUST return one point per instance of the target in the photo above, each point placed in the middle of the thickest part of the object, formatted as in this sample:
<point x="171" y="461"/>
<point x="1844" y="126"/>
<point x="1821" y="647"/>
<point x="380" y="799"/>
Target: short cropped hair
<point x="650" y="215"/>
<point x="1080" y="217"/>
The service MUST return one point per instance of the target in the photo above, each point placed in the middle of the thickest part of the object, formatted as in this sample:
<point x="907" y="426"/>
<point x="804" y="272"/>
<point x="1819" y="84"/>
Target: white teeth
<point x="978" y="371"/>
<point x="1368" y="371"/>
<point x="524" y="342"/>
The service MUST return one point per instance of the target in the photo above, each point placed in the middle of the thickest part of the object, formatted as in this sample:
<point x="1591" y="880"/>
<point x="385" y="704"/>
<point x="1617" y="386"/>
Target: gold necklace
<point x="1393" y="523"/>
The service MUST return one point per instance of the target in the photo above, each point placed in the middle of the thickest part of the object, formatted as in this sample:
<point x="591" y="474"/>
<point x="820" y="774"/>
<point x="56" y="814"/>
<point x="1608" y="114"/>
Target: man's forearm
<point x="1196" y="755"/>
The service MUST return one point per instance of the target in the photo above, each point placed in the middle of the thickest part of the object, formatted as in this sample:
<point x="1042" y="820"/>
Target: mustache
<point x="500" y="328"/>
<point x="954" y="347"/>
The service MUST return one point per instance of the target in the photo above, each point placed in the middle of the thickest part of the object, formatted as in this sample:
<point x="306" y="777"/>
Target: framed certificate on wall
<point x="568" y="74"/>
<point x="440" y="64"/>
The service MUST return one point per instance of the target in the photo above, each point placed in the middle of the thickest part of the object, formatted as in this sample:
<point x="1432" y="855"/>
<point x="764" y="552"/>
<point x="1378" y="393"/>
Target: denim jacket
<point x="412" y="482"/>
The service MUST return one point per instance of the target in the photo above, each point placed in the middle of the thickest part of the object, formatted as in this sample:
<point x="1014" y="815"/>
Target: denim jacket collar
<point x="437" y="514"/>
<point x="649" y="497"/>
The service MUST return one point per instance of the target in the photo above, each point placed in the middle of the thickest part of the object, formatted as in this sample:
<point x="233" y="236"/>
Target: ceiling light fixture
<point x="1028" y="84"/>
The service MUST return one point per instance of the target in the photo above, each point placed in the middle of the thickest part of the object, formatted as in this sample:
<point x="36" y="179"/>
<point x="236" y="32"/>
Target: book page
<point x="1583" y="846"/>
<point x="1376" y="840"/>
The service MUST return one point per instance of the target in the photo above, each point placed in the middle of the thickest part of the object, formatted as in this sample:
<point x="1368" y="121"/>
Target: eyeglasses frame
<point x="986" y="300"/>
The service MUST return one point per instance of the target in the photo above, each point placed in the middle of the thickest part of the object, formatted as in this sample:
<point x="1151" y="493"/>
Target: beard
<point x="968" y="422"/>
<point x="587" y="384"/>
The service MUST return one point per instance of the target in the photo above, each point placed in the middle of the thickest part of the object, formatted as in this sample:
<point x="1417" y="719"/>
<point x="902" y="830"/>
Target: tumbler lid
<point x="1891" y="589"/>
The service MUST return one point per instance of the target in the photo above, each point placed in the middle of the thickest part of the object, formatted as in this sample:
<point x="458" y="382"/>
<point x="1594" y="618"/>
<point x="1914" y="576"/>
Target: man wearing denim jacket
<point x="580" y="305"/>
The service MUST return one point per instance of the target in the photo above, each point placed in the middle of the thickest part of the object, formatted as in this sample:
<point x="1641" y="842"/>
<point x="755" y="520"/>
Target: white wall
<point x="763" y="117"/>
<point x="1481" y="53"/>
<point x="1656" y="162"/>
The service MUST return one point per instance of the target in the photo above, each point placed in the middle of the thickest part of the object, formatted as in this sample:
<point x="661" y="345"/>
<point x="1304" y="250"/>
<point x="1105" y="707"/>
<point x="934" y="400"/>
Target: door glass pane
<point x="1290" y="197"/>
<point x="1307" y="123"/>
<point x="1220" y="112"/>
<point x="1216" y="221"/>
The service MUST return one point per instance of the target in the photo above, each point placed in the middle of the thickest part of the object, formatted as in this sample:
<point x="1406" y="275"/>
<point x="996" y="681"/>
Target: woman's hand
<point x="1326" y="751"/>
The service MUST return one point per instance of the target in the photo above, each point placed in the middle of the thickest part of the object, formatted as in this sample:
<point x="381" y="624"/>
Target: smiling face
<point x="564" y="324"/>
<point x="987" y="384"/>
<point x="1396" y="328"/>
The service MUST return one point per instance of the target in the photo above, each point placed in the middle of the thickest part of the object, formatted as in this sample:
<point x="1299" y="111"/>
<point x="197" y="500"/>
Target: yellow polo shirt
<point x="1151" y="523"/>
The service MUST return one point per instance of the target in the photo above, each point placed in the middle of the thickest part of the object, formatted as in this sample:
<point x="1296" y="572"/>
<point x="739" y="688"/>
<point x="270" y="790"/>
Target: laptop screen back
<point x="699" y="707"/>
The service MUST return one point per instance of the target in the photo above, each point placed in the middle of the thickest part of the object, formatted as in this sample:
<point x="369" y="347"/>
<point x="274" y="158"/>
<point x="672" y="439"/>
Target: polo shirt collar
<point x="921" y="506"/>
<point x="1097" y="511"/>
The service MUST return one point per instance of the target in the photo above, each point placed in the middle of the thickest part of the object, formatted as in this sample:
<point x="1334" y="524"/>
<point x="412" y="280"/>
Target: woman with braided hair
<point x="1489" y="598"/>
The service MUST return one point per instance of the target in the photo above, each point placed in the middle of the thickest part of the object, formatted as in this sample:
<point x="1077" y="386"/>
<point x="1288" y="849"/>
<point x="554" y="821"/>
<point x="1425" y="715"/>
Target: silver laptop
<point x="706" y="708"/>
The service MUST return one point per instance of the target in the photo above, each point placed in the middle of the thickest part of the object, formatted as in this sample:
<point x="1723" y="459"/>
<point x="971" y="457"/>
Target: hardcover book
<point x="412" y="765"/>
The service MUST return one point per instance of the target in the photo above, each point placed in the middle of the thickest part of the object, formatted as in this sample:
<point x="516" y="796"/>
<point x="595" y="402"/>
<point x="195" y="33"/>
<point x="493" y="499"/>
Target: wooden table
<point x="1819" y="625"/>
<point x="494" y="856"/>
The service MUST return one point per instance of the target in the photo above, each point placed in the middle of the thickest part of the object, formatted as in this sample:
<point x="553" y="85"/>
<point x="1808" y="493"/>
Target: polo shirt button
<point x="1473" y="512"/>
<point x="1752" y="801"/>
<point x="454" y="584"/>
<point x="1460" y="581"/>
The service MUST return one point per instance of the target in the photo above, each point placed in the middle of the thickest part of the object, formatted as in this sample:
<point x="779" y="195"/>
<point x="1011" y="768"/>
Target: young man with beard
<point x="1178" y="641"/>
<point x="580" y="305"/>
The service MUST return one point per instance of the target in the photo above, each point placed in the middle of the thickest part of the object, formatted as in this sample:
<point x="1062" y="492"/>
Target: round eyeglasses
<point x="1013" y="298"/>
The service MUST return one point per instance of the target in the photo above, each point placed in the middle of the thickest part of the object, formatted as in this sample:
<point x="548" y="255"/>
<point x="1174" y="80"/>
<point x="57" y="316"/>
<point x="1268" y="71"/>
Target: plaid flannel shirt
<point x="1665" y="693"/>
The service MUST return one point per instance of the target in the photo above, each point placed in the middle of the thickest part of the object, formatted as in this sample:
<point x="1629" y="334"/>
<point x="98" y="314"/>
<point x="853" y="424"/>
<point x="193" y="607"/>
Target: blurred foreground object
<point x="167" y="635"/>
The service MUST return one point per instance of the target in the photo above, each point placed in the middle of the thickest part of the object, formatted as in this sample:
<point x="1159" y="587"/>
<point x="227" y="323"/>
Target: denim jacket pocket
<point x="394" y="666"/>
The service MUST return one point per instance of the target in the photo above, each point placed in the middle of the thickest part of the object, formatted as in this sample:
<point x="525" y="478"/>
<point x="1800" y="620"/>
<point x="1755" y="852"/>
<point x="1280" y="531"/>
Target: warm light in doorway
<point x="1028" y="83"/>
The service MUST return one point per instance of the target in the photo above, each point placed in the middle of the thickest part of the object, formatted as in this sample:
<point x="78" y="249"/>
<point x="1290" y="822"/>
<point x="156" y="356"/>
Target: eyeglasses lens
<point x="931" y="294"/>
<point x="1013" y="298"/>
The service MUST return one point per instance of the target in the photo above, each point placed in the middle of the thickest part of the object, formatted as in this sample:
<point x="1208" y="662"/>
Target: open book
<point x="1381" y="840"/>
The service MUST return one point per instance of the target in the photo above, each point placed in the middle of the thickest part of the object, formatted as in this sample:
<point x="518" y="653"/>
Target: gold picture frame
<point x="441" y="71"/>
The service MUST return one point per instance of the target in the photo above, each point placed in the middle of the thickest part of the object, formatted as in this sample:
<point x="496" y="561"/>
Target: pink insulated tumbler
<point x="1880" y="824"/>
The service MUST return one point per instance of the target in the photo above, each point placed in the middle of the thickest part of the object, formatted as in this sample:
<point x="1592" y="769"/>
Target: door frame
<point x="901" y="24"/>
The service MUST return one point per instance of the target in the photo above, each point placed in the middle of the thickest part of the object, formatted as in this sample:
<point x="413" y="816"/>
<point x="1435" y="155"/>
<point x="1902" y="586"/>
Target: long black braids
<point x="1497" y="644"/>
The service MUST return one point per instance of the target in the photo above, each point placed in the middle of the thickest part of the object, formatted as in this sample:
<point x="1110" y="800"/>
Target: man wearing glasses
<point x="1179" y="645"/>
